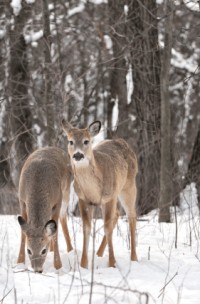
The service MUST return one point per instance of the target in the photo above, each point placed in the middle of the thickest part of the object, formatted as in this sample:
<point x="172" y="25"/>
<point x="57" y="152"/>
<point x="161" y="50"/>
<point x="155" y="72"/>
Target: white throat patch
<point x="84" y="162"/>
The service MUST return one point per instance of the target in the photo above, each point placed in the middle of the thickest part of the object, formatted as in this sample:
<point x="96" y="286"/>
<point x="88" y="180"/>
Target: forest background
<point x="133" y="65"/>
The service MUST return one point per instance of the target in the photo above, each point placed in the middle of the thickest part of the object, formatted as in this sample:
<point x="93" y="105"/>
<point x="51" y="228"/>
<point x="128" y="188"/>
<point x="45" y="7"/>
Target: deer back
<point x="42" y="180"/>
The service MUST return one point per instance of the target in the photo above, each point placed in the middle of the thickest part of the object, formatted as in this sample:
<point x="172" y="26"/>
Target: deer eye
<point x="29" y="252"/>
<point x="86" y="142"/>
<point x="71" y="143"/>
<point x="43" y="252"/>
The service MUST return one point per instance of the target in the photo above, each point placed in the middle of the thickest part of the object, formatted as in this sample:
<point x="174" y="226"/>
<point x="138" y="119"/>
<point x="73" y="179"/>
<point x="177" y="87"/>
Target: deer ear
<point x="22" y="223"/>
<point x="66" y="126"/>
<point x="50" y="228"/>
<point x="94" y="128"/>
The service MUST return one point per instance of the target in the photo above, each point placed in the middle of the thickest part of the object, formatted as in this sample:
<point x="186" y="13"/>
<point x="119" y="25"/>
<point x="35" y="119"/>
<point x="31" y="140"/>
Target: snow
<point x="163" y="274"/>
<point x="30" y="1"/>
<point x="126" y="10"/>
<point x="129" y="82"/>
<point x="108" y="42"/>
<point x="192" y="5"/>
<point x="32" y="36"/>
<point x="98" y="1"/>
<point x="16" y="6"/>
<point x="115" y="115"/>
<point x="190" y="64"/>
<point x="2" y="34"/>
<point x="76" y="10"/>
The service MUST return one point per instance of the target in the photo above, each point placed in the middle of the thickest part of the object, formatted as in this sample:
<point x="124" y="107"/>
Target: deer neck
<point x="87" y="170"/>
<point x="38" y="210"/>
<point x="88" y="182"/>
<point x="87" y="166"/>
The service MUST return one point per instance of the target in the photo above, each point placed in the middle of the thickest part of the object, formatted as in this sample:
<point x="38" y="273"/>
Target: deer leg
<point x="63" y="215"/>
<point x="51" y="246"/>
<point x="63" y="221"/>
<point x="86" y="215"/>
<point x="109" y="215"/>
<point x="21" y="255"/>
<point x="102" y="246"/>
<point x="132" y="225"/>
<point x="57" y="260"/>
<point x="128" y="199"/>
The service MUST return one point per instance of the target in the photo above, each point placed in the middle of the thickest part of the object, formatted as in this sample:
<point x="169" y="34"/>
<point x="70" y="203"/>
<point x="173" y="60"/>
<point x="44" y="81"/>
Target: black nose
<point x="78" y="156"/>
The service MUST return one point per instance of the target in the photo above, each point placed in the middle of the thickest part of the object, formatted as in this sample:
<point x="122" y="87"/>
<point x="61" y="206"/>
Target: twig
<point x="149" y="250"/>
<point x="163" y="288"/>
<point x="1" y="300"/>
<point x="31" y="271"/>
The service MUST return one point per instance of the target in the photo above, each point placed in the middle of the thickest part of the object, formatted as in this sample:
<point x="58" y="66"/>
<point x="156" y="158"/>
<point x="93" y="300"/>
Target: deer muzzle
<point x="78" y="156"/>
<point x="37" y="265"/>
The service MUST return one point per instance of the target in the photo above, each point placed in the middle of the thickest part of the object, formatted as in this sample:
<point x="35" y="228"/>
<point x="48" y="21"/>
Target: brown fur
<point x="103" y="175"/>
<point x="44" y="181"/>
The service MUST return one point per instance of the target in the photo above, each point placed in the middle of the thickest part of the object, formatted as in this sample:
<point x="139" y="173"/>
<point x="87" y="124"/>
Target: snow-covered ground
<point x="163" y="274"/>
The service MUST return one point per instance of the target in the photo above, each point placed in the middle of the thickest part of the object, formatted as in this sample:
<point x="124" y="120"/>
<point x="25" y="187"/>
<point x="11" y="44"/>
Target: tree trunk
<point x="4" y="131"/>
<point x="194" y="167"/>
<point x="48" y="98"/>
<point x="21" y="119"/>
<point x="145" y="100"/>
<point x="8" y="196"/>
<point x="117" y="24"/>
<point x="166" y="159"/>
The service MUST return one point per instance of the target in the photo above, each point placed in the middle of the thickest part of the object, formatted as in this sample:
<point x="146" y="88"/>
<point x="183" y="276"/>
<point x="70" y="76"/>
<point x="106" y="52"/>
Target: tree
<point x="192" y="174"/>
<point x="76" y="58"/>
<point x="48" y="98"/>
<point x="117" y="24"/>
<point x="21" y="116"/>
<point x="145" y="100"/>
<point x="166" y="159"/>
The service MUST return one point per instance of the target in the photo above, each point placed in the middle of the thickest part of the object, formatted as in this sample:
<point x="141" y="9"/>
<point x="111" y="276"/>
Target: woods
<point x="133" y="65"/>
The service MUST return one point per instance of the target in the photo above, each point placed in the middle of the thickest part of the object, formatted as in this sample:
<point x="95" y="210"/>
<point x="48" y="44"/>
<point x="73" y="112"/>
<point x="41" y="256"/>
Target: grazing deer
<point x="44" y="181"/>
<point x="101" y="176"/>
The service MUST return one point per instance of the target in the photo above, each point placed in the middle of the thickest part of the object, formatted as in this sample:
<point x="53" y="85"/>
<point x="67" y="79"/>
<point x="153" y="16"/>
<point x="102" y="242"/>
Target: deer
<point x="44" y="189"/>
<point x="102" y="176"/>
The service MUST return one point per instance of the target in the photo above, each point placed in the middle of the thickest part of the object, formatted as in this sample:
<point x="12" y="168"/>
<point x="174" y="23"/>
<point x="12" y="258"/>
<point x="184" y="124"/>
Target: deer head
<point x="38" y="240"/>
<point x="80" y="142"/>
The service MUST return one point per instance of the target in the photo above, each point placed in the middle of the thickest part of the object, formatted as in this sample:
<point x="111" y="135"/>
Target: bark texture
<point x="166" y="159"/>
<point x="145" y="102"/>
<point x="21" y="117"/>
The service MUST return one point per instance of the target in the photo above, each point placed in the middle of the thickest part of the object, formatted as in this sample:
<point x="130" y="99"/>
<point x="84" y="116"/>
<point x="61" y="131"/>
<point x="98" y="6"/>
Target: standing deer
<point x="101" y="176"/>
<point x="44" y="181"/>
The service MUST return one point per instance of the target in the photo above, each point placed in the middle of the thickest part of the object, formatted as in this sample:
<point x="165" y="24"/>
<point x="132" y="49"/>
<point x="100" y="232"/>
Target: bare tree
<point x="21" y="116"/>
<point x="166" y="159"/>
<point x="47" y="75"/>
<point x="192" y="174"/>
<point x="117" y="23"/>
<point x="145" y="100"/>
<point x="77" y="61"/>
